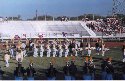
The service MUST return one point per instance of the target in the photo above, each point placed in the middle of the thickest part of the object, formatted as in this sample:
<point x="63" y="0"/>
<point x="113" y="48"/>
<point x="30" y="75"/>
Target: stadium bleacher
<point x="33" y="28"/>
<point x="49" y="29"/>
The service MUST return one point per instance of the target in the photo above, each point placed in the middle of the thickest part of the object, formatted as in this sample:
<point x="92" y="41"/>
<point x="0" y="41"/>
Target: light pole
<point x="36" y="15"/>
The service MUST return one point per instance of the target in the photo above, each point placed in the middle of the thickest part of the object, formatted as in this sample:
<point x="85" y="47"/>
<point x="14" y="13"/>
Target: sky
<point x="27" y="8"/>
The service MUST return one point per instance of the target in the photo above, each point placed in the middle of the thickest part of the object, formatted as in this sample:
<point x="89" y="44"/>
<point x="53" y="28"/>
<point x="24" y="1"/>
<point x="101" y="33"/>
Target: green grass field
<point x="41" y="64"/>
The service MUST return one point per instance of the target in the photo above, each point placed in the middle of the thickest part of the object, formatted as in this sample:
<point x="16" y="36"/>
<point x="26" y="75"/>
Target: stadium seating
<point x="33" y="28"/>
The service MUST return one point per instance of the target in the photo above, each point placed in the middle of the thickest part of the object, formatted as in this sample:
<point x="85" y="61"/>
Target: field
<point x="41" y="64"/>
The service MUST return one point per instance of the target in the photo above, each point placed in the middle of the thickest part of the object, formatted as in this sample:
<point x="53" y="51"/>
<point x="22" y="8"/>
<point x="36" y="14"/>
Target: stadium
<point x="89" y="47"/>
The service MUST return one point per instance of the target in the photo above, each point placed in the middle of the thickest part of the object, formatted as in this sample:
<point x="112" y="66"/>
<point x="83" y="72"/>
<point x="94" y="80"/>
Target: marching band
<point x="61" y="49"/>
<point x="56" y="48"/>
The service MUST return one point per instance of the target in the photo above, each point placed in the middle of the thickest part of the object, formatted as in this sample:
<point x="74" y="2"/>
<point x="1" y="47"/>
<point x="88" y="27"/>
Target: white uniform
<point x="89" y="49"/>
<point x="76" y="49"/>
<point x="54" y="51"/>
<point x="12" y="52"/>
<point x="48" y="51"/>
<point x="24" y="50"/>
<point x="66" y="50"/>
<point x="41" y="50"/>
<point x="19" y="57"/>
<point x="7" y="58"/>
<point x="103" y="50"/>
<point x="60" y="51"/>
<point x="35" y="51"/>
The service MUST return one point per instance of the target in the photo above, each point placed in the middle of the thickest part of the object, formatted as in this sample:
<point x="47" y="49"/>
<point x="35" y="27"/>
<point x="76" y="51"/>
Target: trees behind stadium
<point x="80" y="17"/>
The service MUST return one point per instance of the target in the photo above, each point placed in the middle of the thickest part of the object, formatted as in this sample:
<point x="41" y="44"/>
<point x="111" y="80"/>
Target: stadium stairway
<point x="89" y="30"/>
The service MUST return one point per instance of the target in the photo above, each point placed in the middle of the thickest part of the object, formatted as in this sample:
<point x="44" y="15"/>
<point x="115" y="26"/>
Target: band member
<point x="23" y="47"/>
<point x="31" y="46"/>
<point x="7" y="58"/>
<point x="60" y="50"/>
<point x="70" y="47"/>
<point x="81" y="44"/>
<point x="19" y="55"/>
<point x="97" y="47"/>
<point x="89" y="49"/>
<point x="19" y="72"/>
<point x="66" y="50"/>
<point x="31" y="43"/>
<point x="54" y="50"/>
<point x="103" y="49"/>
<point x="109" y="70"/>
<point x="27" y="45"/>
<point x="18" y="45"/>
<point x="81" y="47"/>
<point x="7" y="45"/>
<point x="35" y="51"/>
<point x="103" y="68"/>
<point x="48" y="50"/>
<point x="12" y="49"/>
<point x="1" y="73"/>
<point x="30" y="72"/>
<point x="74" y="46"/>
<point x="86" y="61"/>
<point x="73" y="70"/>
<point x="41" y="50"/>
<point x="75" y="50"/>
<point x="51" y="72"/>
<point x="86" y="70"/>
<point x="66" y="71"/>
